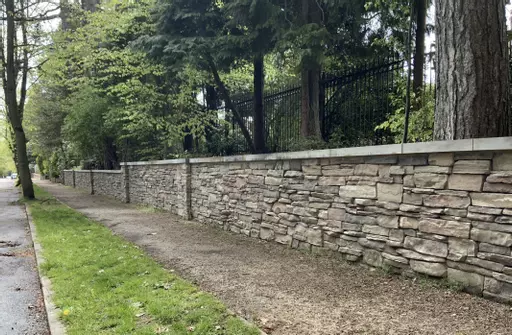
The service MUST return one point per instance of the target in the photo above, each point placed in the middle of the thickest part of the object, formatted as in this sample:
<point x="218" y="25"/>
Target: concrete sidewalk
<point x="285" y="291"/>
<point x="21" y="304"/>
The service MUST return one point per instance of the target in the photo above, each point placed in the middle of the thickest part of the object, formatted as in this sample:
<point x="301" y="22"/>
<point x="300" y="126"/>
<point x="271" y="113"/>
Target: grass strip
<point x="106" y="285"/>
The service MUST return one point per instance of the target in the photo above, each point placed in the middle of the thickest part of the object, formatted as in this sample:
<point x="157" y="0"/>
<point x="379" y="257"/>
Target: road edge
<point x="52" y="312"/>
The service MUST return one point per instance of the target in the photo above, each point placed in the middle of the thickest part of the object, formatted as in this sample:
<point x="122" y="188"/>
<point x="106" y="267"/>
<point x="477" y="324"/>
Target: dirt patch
<point x="287" y="292"/>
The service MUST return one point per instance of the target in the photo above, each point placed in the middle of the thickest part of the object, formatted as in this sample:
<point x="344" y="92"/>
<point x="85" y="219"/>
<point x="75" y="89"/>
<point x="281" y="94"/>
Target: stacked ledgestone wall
<point x="109" y="183"/>
<point x="160" y="185"/>
<point x="68" y="177"/>
<point x="443" y="209"/>
<point x="83" y="180"/>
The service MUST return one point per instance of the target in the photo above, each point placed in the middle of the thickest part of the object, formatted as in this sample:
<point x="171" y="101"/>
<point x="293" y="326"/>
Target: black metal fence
<point x="353" y="104"/>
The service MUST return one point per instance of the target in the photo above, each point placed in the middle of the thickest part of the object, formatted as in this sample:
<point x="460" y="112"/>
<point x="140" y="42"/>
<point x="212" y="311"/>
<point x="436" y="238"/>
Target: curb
<point x="52" y="312"/>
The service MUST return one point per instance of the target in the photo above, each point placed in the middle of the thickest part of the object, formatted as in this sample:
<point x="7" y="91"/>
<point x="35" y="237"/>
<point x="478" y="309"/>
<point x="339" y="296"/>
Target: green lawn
<point x="106" y="285"/>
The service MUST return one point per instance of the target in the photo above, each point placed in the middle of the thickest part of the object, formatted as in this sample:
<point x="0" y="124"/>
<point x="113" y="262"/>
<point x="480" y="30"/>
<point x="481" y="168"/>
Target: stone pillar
<point x="188" y="190"/>
<point x="126" y="181"/>
<point x="91" y="174"/>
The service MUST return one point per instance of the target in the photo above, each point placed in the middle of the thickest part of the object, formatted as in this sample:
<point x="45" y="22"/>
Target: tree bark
<point x="15" y="111"/>
<point x="64" y="15"/>
<point x="90" y="5"/>
<point x="310" y="79"/>
<point x="472" y="70"/>
<point x="259" y="113"/>
<point x="419" y="51"/>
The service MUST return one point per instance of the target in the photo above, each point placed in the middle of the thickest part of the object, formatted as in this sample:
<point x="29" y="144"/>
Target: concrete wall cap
<point x="467" y="145"/>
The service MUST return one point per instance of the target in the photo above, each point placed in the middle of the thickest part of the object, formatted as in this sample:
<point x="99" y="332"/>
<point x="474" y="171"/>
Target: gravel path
<point x="285" y="291"/>
<point x="21" y="303"/>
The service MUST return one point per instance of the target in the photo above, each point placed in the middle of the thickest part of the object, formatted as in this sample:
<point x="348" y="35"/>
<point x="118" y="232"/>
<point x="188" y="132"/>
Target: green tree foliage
<point x="149" y="79"/>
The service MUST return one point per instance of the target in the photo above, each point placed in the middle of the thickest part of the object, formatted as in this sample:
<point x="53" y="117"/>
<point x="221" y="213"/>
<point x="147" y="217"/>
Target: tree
<point x="17" y="48"/>
<point x="472" y="72"/>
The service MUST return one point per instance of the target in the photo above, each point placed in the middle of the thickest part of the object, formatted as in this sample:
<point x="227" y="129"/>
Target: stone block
<point x="394" y="258"/>
<point x="396" y="235"/>
<point x="267" y="234"/>
<point x="492" y="237"/>
<point x="427" y="247"/>
<point x="389" y="192"/>
<point x="502" y="277"/>
<point x="495" y="200"/>
<point x="366" y="170"/>
<point x="294" y="174"/>
<point x="413" y="199"/>
<point x="336" y="214"/>
<point x="433" y="169"/>
<point x="410" y="208"/>
<point x="498" y="187"/>
<point x="490" y="265"/>
<point x="314" y="236"/>
<point x="469" y="268"/>
<point x="409" y="223"/>
<point x="339" y="172"/>
<point x="505" y="228"/>
<point x="273" y="181"/>
<point x="430" y="180"/>
<point x="312" y="170"/>
<point x="431" y="269"/>
<point x="495" y="249"/>
<point x="497" y="290"/>
<point x="283" y="239"/>
<point x="466" y="182"/>
<point x="441" y="200"/>
<point x="376" y="230"/>
<point x="416" y="255"/>
<point x="472" y="167"/>
<point x="358" y="191"/>
<point x="502" y="259"/>
<point x="502" y="162"/>
<point x="500" y="177"/>
<point x="460" y="249"/>
<point x="331" y="181"/>
<point x="441" y="159"/>
<point x="373" y="258"/>
<point x="504" y="219"/>
<point x="409" y="181"/>
<point x="371" y="244"/>
<point x="387" y="221"/>
<point x="472" y="282"/>
<point x="413" y="160"/>
<point x="360" y="219"/>
<point x="396" y="171"/>
<point x="485" y="210"/>
<point x="445" y="227"/>
<point x="480" y="217"/>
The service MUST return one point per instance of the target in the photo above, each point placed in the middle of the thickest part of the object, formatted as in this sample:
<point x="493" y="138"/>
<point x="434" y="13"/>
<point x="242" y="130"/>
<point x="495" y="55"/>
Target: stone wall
<point x="443" y="209"/>
<point x="109" y="183"/>
<point x="161" y="185"/>
<point x="83" y="180"/>
<point x="68" y="177"/>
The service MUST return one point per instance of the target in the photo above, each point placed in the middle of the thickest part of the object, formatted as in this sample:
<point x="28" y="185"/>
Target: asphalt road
<point x="21" y="304"/>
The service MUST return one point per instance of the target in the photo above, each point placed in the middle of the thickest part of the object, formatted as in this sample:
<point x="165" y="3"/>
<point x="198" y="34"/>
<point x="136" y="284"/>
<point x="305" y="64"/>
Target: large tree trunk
<point x="14" y="111"/>
<point x="310" y="79"/>
<point x="259" y="113"/>
<point x="419" y="52"/>
<point x="64" y="14"/>
<point x="472" y="70"/>
<point x="90" y="5"/>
